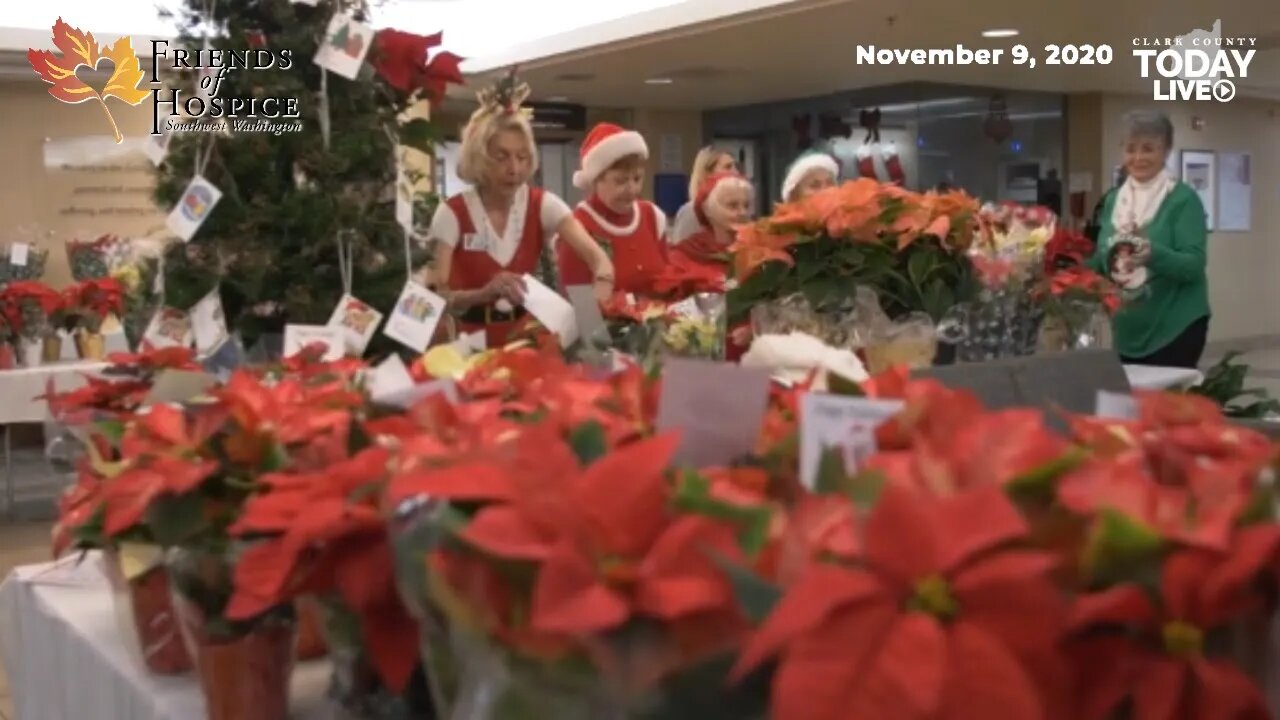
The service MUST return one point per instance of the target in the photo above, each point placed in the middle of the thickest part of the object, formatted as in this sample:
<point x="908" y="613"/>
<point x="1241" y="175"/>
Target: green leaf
<point x="838" y="384"/>
<point x="864" y="488"/>
<point x="1039" y="483"/>
<point x="831" y="471"/>
<point x="693" y="495"/>
<point x="420" y="134"/>
<point x="755" y="595"/>
<point x="589" y="442"/>
<point x="918" y="267"/>
<point x="1119" y="547"/>
<point x="175" y="519"/>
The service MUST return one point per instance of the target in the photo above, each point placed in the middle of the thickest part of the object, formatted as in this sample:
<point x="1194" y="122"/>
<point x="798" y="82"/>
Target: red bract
<point x="151" y="360"/>
<point x="1153" y="654"/>
<point x="289" y="413"/>
<point x="320" y="541"/>
<point x="129" y="494"/>
<point x="942" y="621"/>
<point x="401" y="59"/>
<point x="76" y="506"/>
<point x="96" y="297"/>
<point x="113" y="397"/>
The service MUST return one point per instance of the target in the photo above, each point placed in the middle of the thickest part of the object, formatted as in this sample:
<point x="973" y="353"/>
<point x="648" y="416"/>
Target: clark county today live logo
<point x="1200" y="65"/>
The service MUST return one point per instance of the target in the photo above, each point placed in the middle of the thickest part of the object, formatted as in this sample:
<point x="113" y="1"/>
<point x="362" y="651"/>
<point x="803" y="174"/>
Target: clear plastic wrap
<point x="354" y="684"/>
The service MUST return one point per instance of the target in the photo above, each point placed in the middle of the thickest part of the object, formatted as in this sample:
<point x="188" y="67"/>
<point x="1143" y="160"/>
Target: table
<point x="1148" y="377"/>
<point x="20" y="388"/>
<point x="66" y="660"/>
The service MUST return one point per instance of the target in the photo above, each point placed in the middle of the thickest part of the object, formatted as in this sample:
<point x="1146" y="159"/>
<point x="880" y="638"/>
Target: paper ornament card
<point x="553" y="311"/>
<point x="197" y="201"/>
<point x="169" y="327"/>
<point x="344" y="46"/>
<point x="358" y="322"/>
<point x="209" y="323"/>
<point x="841" y="424"/>
<point x="416" y="315"/>
<point x="299" y="337"/>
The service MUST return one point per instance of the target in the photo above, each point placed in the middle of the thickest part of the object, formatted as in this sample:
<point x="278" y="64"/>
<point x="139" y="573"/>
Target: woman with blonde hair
<point x="710" y="160"/>
<point x="491" y="234"/>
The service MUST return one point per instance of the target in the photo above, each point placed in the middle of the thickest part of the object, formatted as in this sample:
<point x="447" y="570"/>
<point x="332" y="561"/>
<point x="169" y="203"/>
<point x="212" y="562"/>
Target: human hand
<point x="741" y="335"/>
<point x="1142" y="255"/>
<point x="505" y="286"/>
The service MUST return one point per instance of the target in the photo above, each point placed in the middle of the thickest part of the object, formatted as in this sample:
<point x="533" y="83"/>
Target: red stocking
<point x="866" y="163"/>
<point x="893" y="165"/>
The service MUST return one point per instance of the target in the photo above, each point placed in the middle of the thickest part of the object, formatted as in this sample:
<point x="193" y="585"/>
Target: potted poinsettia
<point x="29" y="307"/>
<point x="91" y="302"/>
<point x="1073" y="296"/>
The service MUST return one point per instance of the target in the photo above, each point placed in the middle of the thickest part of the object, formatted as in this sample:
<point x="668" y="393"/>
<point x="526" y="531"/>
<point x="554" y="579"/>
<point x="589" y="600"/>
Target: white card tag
<point x="391" y="376"/>
<point x="1117" y="406"/>
<point x="413" y="322"/>
<point x="344" y="46"/>
<point x="392" y="386"/>
<point x="469" y="344"/>
<point x="474" y="242"/>
<point x="716" y="407"/>
<point x="687" y="308"/>
<point x="208" y="323"/>
<point x="193" y="208"/>
<point x="169" y="328"/>
<point x="404" y="197"/>
<point x="553" y="311"/>
<point x="19" y="253"/>
<point x="358" y="322"/>
<point x="847" y="424"/>
<point x="299" y="337"/>
<point x="157" y="147"/>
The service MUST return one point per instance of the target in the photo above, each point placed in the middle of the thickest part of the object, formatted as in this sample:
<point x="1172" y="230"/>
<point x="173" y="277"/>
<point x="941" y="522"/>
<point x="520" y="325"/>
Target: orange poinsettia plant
<point x="907" y="246"/>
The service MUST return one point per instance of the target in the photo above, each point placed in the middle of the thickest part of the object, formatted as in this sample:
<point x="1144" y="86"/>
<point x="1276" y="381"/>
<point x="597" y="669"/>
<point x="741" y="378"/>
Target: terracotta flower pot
<point x="92" y="346"/>
<point x="52" y="348"/>
<point x="144" y="612"/>
<point x="311" y="640"/>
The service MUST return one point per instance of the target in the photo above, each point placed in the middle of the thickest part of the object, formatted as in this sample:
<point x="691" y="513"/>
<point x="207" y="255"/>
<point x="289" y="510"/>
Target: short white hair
<point x="715" y="198"/>
<point x="474" y="158"/>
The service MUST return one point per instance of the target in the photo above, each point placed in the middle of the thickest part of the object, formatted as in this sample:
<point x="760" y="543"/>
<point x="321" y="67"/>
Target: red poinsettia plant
<point x="29" y="307"/>
<point x="1070" y="291"/>
<point x="90" y="302"/>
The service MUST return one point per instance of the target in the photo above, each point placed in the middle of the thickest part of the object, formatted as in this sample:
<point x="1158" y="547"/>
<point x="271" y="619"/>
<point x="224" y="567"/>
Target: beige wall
<point x="112" y="197"/>
<point x="654" y="124"/>
<point x="1084" y="141"/>
<point x="1244" y="267"/>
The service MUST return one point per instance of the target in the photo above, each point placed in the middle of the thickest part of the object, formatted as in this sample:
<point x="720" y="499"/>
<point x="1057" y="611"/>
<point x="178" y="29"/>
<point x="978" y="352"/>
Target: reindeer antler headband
<point x="504" y="97"/>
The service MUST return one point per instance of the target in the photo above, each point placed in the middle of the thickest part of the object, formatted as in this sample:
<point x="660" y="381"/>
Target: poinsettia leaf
<point x="589" y="442"/>
<point x="1120" y="548"/>
<point x="838" y="384"/>
<point x="831" y="471"/>
<point x="756" y="596"/>
<point x="112" y="430"/>
<point x="174" y="519"/>
<point x="1038" y="484"/>
<point x="684" y="694"/>
<point x="694" y="496"/>
<point x="864" y="488"/>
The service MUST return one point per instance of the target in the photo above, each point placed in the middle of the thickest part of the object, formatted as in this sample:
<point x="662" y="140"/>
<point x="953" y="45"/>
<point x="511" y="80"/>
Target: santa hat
<point x="805" y="163"/>
<point x="712" y="188"/>
<point x="605" y="145"/>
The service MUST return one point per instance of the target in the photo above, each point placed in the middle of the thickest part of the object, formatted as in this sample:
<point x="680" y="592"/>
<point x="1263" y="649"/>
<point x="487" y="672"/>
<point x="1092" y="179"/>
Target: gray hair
<point x="1149" y="123"/>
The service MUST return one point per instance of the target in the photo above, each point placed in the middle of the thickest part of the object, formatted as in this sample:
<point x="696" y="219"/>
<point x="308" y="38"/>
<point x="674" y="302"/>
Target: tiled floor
<point x="20" y="544"/>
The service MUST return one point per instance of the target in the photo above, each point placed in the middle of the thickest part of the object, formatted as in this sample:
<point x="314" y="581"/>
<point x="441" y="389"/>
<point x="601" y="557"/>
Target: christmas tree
<point x="271" y="243"/>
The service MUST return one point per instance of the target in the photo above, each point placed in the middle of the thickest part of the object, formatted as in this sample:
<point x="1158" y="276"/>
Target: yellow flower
<point x="128" y="276"/>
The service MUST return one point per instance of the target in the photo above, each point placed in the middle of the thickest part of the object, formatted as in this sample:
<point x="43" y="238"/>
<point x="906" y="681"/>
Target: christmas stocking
<point x="893" y="164"/>
<point x="866" y="163"/>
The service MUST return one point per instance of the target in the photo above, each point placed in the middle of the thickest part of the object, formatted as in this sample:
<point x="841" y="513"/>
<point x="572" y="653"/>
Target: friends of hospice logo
<point x="79" y="49"/>
<point x="1200" y="65"/>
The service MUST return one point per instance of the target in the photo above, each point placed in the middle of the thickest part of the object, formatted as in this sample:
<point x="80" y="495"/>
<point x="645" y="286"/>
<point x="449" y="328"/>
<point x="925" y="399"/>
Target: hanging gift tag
<point x="843" y="424"/>
<point x="358" y="322"/>
<point x="344" y="46"/>
<point x="404" y="197"/>
<point x="169" y="327"/>
<point x="19" y="253"/>
<point x="208" y="323"/>
<point x="1116" y="406"/>
<point x="194" y="207"/>
<point x="300" y="337"/>
<point x="553" y="311"/>
<point x="413" y="322"/>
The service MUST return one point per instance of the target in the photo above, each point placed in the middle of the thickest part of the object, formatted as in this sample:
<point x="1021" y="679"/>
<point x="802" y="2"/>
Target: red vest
<point x="473" y="269"/>
<point x="639" y="252"/>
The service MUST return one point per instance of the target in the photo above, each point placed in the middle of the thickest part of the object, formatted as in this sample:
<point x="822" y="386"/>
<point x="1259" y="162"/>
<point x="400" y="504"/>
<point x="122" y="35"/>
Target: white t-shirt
<point x="502" y="248"/>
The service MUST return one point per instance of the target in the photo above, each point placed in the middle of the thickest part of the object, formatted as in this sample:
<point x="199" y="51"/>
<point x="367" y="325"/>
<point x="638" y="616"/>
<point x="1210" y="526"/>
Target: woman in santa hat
<point x="808" y="174"/>
<point x="709" y="161"/>
<point x="723" y="202"/>
<point x="631" y="230"/>
<point x="493" y="233"/>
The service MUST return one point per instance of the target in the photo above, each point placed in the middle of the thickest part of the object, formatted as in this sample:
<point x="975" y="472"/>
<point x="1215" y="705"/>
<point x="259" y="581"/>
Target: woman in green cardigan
<point x="1152" y="244"/>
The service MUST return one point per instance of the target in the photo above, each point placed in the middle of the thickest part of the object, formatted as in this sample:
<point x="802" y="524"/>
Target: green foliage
<point x="1224" y="384"/>
<point x="1121" y="549"/>
<point x="923" y="277"/>
<point x="271" y="241"/>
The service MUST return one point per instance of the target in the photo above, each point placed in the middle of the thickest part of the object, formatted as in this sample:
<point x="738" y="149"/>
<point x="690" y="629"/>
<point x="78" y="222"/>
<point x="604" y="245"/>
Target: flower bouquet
<point x="1003" y="319"/>
<point x="29" y="308"/>
<point x="90" y="303"/>
<point x="29" y="268"/>
<point x="908" y="247"/>
<point x="132" y="264"/>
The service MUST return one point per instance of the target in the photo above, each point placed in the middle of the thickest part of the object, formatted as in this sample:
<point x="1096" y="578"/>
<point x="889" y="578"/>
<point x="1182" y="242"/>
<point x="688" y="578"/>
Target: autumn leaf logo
<point x="80" y="49"/>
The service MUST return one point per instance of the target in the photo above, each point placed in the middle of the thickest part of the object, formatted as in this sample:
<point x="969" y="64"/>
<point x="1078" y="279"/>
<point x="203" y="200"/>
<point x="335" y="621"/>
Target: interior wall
<point x="1084" y="140"/>
<point x="672" y="135"/>
<point x="89" y="187"/>
<point x="1243" y="266"/>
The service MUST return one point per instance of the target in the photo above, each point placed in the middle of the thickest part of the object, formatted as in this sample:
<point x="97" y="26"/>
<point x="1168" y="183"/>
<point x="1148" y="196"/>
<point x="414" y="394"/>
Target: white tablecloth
<point x="66" y="661"/>
<point x="20" y="387"/>
<point x="1147" y="377"/>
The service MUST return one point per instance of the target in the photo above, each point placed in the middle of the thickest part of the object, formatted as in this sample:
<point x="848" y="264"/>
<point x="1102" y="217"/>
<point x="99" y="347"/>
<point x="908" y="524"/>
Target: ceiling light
<point x="999" y="33"/>
<point x="659" y="81"/>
